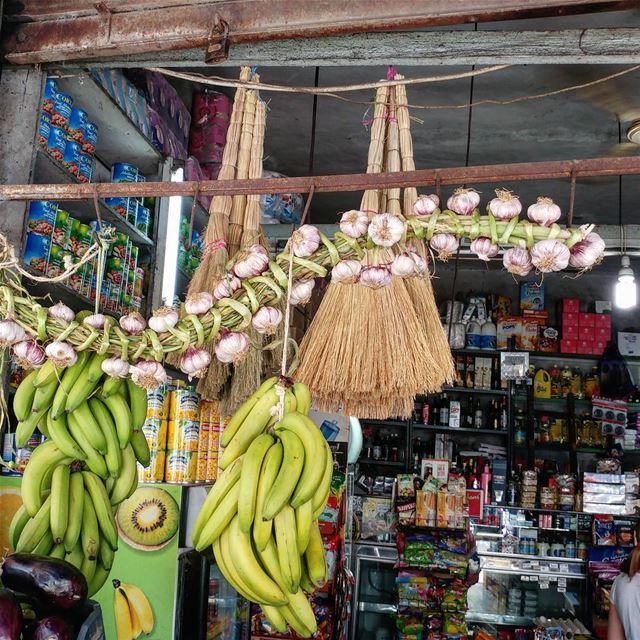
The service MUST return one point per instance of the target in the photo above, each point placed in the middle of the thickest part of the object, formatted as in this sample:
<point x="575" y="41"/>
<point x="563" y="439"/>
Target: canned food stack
<point x="66" y="132"/>
<point x="136" y="211"/>
<point x="182" y="436"/>
<point x="155" y="431"/>
<point x="208" y="442"/>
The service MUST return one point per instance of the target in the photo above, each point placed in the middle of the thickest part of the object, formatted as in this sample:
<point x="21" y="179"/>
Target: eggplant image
<point x="50" y="628"/>
<point x="10" y="616"/>
<point x="54" y="583"/>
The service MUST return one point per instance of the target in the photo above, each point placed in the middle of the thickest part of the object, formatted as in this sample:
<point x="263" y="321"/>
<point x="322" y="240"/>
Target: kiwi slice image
<point x="149" y="519"/>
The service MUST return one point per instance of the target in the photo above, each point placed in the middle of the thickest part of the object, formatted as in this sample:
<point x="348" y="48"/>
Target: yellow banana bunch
<point x="261" y="515"/>
<point x="132" y="610"/>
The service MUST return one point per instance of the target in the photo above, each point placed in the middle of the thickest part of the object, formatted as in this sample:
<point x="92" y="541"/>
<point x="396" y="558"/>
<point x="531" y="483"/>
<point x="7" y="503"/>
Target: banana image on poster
<point x="132" y="611"/>
<point x="261" y="515"/>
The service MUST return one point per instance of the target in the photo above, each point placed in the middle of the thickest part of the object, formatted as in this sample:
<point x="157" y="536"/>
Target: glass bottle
<point x="444" y="411"/>
<point x="565" y="381"/>
<point x="577" y="388"/>
<point x="478" y="416"/>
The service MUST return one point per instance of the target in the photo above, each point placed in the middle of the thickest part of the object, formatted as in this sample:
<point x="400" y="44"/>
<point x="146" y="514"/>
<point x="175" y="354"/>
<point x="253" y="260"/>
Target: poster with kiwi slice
<point x="147" y="558"/>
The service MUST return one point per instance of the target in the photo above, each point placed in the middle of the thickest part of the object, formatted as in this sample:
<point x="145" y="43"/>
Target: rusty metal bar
<point x="61" y="30"/>
<point x="563" y="169"/>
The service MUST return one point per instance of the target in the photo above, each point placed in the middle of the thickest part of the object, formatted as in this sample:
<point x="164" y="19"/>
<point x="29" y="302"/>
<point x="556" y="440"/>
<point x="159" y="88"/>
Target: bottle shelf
<point x="490" y="392"/>
<point x="461" y="430"/>
<point x="382" y="463"/>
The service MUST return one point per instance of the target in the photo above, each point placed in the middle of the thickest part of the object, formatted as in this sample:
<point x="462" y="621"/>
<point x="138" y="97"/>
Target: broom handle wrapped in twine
<point x="410" y="194"/>
<point x="251" y="226"/>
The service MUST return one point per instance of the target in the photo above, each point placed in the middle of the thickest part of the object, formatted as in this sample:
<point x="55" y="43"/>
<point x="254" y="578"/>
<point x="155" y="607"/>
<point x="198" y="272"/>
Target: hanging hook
<point x="572" y="195"/>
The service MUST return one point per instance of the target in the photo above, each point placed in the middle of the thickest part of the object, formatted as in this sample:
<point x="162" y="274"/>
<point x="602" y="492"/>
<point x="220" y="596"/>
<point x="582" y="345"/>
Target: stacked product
<point x="190" y="247"/>
<point x="210" y="121"/>
<point x="133" y="210"/>
<point x="611" y="493"/>
<point x="66" y="133"/>
<point x="585" y="333"/>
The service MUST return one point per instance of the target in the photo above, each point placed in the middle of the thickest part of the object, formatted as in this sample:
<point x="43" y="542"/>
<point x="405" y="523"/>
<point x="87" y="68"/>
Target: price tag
<point x="564" y="568"/>
<point x="544" y="567"/>
<point x="533" y="578"/>
<point x="554" y="566"/>
<point x="562" y="582"/>
<point x="544" y="584"/>
<point x="524" y="578"/>
<point x="562" y="589"/>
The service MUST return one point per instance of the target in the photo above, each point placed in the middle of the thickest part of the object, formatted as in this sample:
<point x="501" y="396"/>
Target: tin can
<point x="50" y="90"/>
<point x="80" y="237"/>
<point x="132" y="210"/>
<point x="36" y="252"/>
<point x="124" y="172"/>
<point x="77" y="121"/>
<point x="71" y="158"/>
<point x="57" y="142"/>
<point x="85" y="167"/>
<point x="185" y="405"/>
<point x="62" y="106"/>
<point x="61" y="229"/>
<point x="89" y="137"/>
<point x="143" y="220"/>
<point x="44" y="129"/>
<point x="158" y="403"/>
<point x="180" y="466"/>
<point x="183" y="434"/>
<point x="75" y="279"/>
<point x="57" y="255"/>
<point x="203" y="450"/>
<point x="155" y="432"/>
<point x="155" y="471"/>
<point x="215" y="452"/>
<point x="42" y="217"/>
<point x="119" y="205"/>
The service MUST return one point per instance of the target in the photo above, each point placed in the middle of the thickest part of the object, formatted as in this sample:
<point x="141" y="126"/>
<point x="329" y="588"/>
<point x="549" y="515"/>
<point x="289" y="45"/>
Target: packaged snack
<point x="604" y="531"/>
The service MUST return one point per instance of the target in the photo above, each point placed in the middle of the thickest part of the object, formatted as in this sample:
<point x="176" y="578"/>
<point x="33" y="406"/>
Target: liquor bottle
<point x="577" y="388"/>
<point x="495" y="414"/>
<point x="478" y="416"/>
<point x="469" y="414"/>
<point x="435" y="405"/>
<point x="385" y="448"/>
<point x="554" y="374"/>
<point x="495" y="373"/>
<point x="377" y="447"/>
<point x="444" y="411"/>
<point x="503" y="414"/>
<point x="417" y="445"/>
<point x="470" y="375"/>
<point x="460" y="381"/>
<point x="394" y="447"/>
<point x="417" y="409"/>
<point x="565" y="381"/>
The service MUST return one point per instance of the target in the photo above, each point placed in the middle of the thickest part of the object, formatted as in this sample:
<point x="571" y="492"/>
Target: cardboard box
<point x="601" y="333"/>
<point x="586" y="333"/>
<point x="508" y="327"/>
<point x="548" y="339"/>
<point x="629" y="343"/>
<point x="603" y="320"/>
<point x="568" y="346"/>
<point x="599" y="346"/>
<point x="528" y="338"/>
<point x="571" y="332"/>
<point x="586" y="319"/>
<point x="569" y="319"/>
<point x="532" y="296"/>
<point x="570" y="305"/>
<point x="475" y="502"/>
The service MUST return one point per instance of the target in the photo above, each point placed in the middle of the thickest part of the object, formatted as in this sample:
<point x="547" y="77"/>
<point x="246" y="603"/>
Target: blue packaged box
<point x="532" y="296"/>
<point x="36" y="252"/>
<point x="42" y="217"/>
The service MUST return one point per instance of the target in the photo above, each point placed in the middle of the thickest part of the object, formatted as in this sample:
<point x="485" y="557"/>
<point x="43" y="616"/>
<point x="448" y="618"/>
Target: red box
<point x="570" y="305"/>
<point x="603" y="320"/>
<point x="586" y="319"/>
<point x="571" y="332"/>
<point x="475" y="503"/>
<point x="569" y="319"/>
<point x="599" y="347"/>
<point x="601" y="334"/>
<point x="587" y="333"/>
<point x="568" y="346"/>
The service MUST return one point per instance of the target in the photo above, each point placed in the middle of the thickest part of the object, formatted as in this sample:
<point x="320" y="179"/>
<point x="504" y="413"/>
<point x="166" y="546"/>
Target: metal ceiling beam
<point x="415" y="48"/>
<point x="59" y="30"/>
<point x="563" y="169"/>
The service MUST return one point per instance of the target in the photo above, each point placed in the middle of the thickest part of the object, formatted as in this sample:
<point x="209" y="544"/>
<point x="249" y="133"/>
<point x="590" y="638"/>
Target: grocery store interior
<point x="319" y="402"/>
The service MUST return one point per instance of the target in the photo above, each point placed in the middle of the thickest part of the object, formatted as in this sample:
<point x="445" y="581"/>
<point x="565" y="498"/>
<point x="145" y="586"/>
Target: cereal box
<point x="532" y="296"/>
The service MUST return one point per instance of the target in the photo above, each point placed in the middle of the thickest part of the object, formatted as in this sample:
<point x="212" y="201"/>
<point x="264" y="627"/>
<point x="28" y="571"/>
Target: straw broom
<point x="371" y="198"/>
<point x="420" y="289"/>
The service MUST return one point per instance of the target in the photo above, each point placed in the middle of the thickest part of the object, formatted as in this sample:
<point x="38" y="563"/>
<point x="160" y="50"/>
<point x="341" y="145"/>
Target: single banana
<point x="18" y="523"/>
<point x="315" y="454"/>
<point x="44" y="457"/>
<point x="275" y="618"/>
<point x="139" y="602"/>
<point x="113" y="456"/>
<point x="99" y="578"/>
<point x="57" y="551"/>
<point x="26" y="428"/>
<point x="75" y="556"/>
<point x="35" y="528"/>
<point x="305" y="584"/>
<point x="136" y="629"/>
<point x="90" y="427"/>
<point x="288" y="476"/>
<point x="303" y="397"/>
<point x="85" y="385"/>
<point x="42" y="426"/>
<point x="220" y="519"/>
<point x="90" y="535"/>
<point x="128" y="474"/>
<point x="88" y="568"/>
<point x="60" y="502"/>
<point x="76" y="500"/>
<point x="140" y="446"/>
<point x="295" y="624"/>
<point x="250" y="570"/>
<point x="94" y="461"/>
<point x="284" y="527"/>
<point x="304" y="521"/>
<point x="253" y="425"/>
<point x="59" y="433"/>
<point x="261" y="531"/>
<point x="105" y="554"/>
<point x="117" y="405"/>
<point x="219" y="490"/>
<point x="68" y="379"/>
<point x="110" y="385"/>
<point x="138" y="403"/>
<point x="122" y="615"/>
<point x="43" y="397"/>
<point x="23" y="397"/>
<point x="45" y="545"/>
<point x="225" y="561"/>
<point x="243" y="411"/>
<point x="322" y="495"/>
<point x="251" y="467"/>
<point x="102" y="506"/>
<point x="46" y="373"/>
<point x="315" y="558"/>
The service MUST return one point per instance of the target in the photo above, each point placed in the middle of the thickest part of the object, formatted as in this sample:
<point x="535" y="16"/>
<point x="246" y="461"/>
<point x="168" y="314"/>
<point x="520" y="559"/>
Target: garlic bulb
<point x="517" y="261"/>
<point x="194" y="362"/>
<point x="305" y="241"/>
<point x="28" y="354"/>
<point x="505" y="206"/>
<point x="60" y="311"/>
<point x="225" y="287"/>
<point x="199" y="303"/>
<point x="232" y="346"/>
<point x="61" y="353"/>
<point x="550" y="255"/>
<point x="346" y="271"/>
<point x="587" y="252"/>
<point x="163" y="319"/>
<point x="463" y="201"/>
<point x="148" y="374"/>
<point x="446" y="244"/>
<point x="95" y="320"/>
<point x="10" y="333"/>
<point x="266" y="320"/>
<point x="544" y="212"/>
<point x="385" y="229"/>
<point x="484" y="248"/>
<point x="115" y="367"/>
<point x="407" y="265"/>
<point x="133" y="323"/>
<point x="375" y="277"/>
<point x="251" y="261"/>
<point x="354" y="223"/>
<point x="301" y="291"/>
<point x="426" y="205"/>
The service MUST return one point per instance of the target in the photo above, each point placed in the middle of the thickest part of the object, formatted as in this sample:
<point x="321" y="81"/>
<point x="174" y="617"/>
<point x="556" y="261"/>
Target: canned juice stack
<point x="66" y="133"/>
<point x="136" y="211"/>
<point x="183" y="434"/>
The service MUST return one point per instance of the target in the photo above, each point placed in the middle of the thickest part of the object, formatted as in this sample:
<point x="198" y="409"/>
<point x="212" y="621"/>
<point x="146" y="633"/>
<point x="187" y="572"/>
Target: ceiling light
<point x="633" y="132"/>
<point x="626" y="293"/>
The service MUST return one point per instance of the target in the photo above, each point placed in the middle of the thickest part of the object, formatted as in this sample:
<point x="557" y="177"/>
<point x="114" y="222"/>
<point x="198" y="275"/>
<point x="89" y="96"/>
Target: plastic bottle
<point x="485" y="483"/>
<point x="488" y="335"/>
<point x="474" y="335"/>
